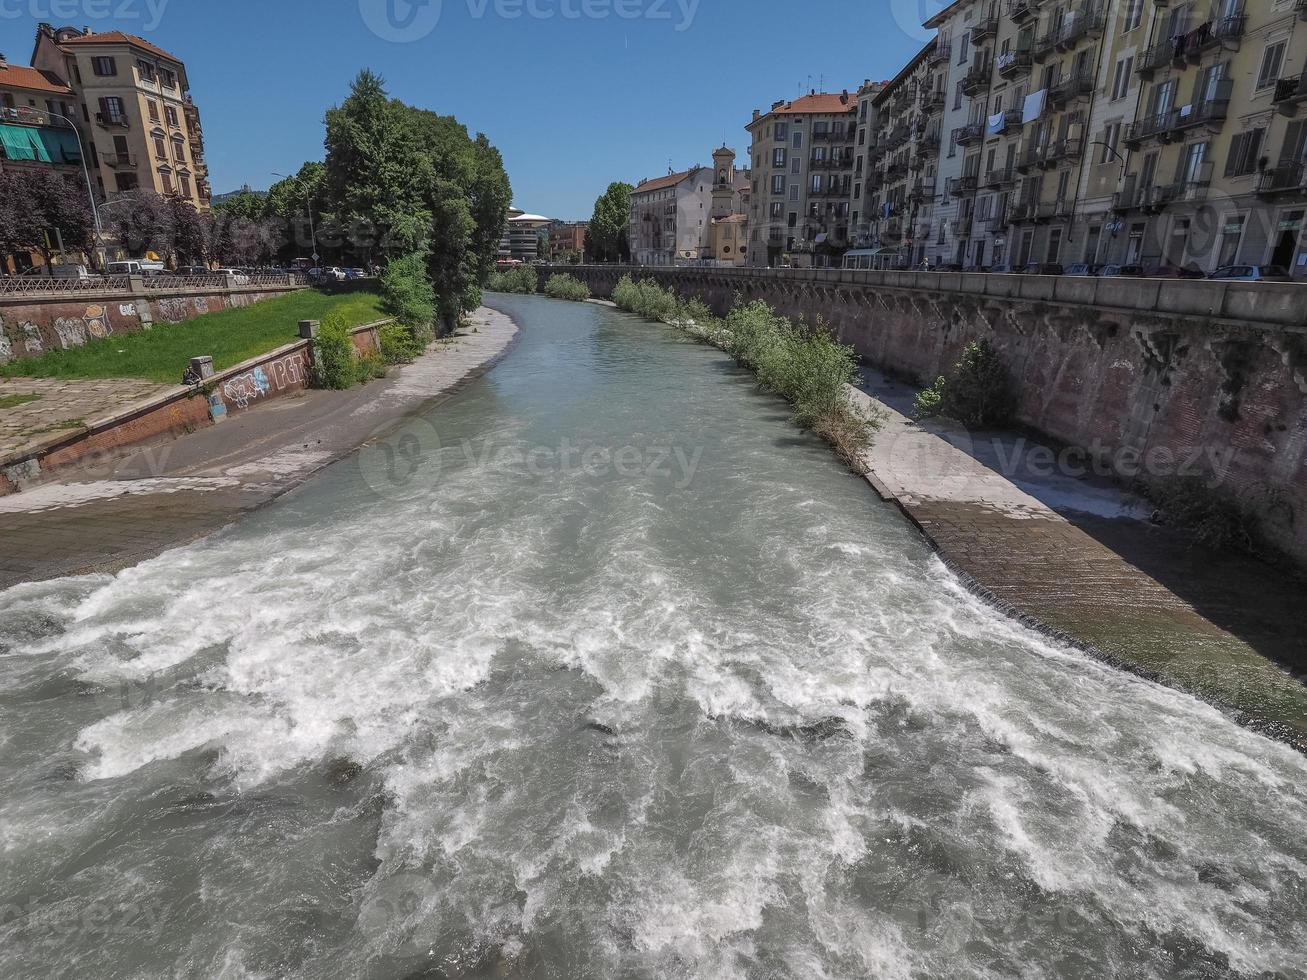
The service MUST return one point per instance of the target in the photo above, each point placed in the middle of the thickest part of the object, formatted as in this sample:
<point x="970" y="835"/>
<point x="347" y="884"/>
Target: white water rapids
<point x="712" y="711"/>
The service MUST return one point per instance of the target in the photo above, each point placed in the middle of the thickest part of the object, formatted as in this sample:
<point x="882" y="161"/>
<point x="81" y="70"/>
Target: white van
<point x="79" y="272"/>
<point x="135" y="267"/>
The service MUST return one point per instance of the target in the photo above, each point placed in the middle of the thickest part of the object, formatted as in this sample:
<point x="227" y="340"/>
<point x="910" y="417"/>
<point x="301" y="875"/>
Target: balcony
<point x="977" y="79"/>
<point x="1154" y="127"/>
<point x="1289" y="92"/>
<point x="1063" y="151"/>
<point x="986" y="27"/>
<point x="1158" y="56"/>
<point x="1288" y="178"/>
<point x="1023" y="10"/>
<point x="968" y="134"/>
<point x="1086" y="25"/>
<point x="119" y="161"/>
<point x="939" y="55"/>
<point x="965" y="184"/>
<point x="933" y="100"/>
<point x="1023" y="212"/>
<point x="961" y="228"/>
<point x="1059" y="210"/>
<point x="995" y="222"/>
<point x="1209" y="113"/>
<point x="1070" y="89"/>
<point x="1029" y="158"/>
<point x="922" y="190"/>
<point x="1014" y="64"/>
<point x="112" y="121"/>
<point x="896" y="171"/>
<point x="1225" y="32"/>
<point x="898" y="135"/>
<point x="1186" y="191"/>
<point x="1011" y="123"/>
<point x="998" y="179"/>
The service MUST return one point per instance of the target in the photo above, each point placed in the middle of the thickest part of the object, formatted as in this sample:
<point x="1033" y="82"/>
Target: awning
<point x="61" y="144"/>
<point x="19" y="145"/>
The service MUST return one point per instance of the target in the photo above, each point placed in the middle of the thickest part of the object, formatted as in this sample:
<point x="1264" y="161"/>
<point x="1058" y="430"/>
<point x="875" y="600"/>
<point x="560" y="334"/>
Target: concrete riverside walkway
<point x="62" y="405"/>
<point x="1082" y="560"/>
<point x="108" y="516"/>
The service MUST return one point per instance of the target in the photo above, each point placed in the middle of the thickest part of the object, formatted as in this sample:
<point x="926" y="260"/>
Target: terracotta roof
<point x="818" y="102"/>
<point x="661" y="183"/>
<point x="32" y="79"/>
<point x="119" y="37"/>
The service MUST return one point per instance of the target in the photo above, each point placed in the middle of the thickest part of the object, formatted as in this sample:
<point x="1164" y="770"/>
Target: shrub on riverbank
<point x="408" y="296"/>
<point x="978" y="393"/>
<point x="801" y="363"/>
<point x="337" y="364"/>
<point x="563" y="286"/>
<point x="519" y="279"/>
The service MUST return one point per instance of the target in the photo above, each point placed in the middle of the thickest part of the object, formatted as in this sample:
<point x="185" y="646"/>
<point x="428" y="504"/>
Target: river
<point x="603" y="669"/>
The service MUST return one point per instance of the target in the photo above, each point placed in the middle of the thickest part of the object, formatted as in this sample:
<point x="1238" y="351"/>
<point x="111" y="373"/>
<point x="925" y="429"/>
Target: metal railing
<point x="1288" y="177"/>
<point x="969" y="133"/>
<point x="43" y="285"/>
<point x="1013" y="64"/>
<point x="168" y="283"/>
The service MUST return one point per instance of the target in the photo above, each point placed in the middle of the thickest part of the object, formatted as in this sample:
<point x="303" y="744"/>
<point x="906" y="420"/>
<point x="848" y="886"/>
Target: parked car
<point x="1122" y="271"/>
<point x="78" y="272"/>
<point x="1084" y="269"/>
<point x="195" y="270"/>
<point x="134" y="267"/>
<point x="239" y="277"/>
<point x="328" y="274"/>
<point x="356" y="274"/>
<point x="1043" y="269"/>
<point x="1174" y="272"/>
<point x="1253" y="273"/>
<point x="1006" y="270"/>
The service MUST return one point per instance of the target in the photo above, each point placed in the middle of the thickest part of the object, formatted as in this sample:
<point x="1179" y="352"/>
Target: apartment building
<point x="898" y="200"/>
<point x="33" y="133"/>
<point x="803" y="163"/>
<point x="139" y="123"/>
<point x="567" y="236"/>
<point x="1213" y="156"/>
<point x="674" y="218"/>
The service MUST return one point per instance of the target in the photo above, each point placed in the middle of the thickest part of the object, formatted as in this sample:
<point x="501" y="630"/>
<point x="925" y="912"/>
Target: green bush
<point x="337" y="363"/>
<point x="563" y="286"/>
<point x="978" y="393"/>
<point x="408" y="296"/>
<point x="398" y="344"/>
<point x="1217" y="520"/>
<point x="803" y="364"/>
<point x="518" y="279"/>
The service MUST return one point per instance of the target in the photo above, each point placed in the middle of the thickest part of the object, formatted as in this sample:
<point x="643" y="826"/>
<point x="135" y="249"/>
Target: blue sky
<point x="575" y="93"/>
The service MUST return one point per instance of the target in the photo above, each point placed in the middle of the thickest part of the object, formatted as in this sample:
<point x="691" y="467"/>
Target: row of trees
<point x="607" y="239"/>
<point x="397" y="181"/>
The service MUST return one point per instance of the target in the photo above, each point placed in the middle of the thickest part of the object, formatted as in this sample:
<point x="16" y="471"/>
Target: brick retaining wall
<point x="1160" y="371"/>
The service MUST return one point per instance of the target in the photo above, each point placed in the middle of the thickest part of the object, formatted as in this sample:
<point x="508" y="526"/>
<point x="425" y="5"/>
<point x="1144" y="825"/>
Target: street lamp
<point x="90" y="190"/>
<point x="308" y="204"/>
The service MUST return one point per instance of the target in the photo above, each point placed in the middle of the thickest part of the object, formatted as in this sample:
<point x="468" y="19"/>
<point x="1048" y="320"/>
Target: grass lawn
<point x="229" y="337"/>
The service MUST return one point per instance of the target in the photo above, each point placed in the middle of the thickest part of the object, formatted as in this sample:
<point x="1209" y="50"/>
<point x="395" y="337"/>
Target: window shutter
<point x="1291" y="152"/>
<point x="1254" y="148"/>
<point x="1236" y="152"/>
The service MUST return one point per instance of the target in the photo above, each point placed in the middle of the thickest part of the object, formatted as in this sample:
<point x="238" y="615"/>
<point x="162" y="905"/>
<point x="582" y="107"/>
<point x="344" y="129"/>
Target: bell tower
<point x="723" y="188"/>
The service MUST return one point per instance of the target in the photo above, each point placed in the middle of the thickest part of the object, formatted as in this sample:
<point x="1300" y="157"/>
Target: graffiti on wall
<point x="201" y="304"/>
<point x="31" y="337"/>
<point x="97" y="321"/>
<point x="70" y="331"/>
<point x="127" y="309"/>
<point x="6" y="348"/>
<point x="175" y="310"/>
<point x="267" y="379"/>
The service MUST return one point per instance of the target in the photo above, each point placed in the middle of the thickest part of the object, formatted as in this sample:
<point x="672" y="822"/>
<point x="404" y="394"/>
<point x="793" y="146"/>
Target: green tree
<point x="607" y="238"/>
<point x="39" y="208"/>
<point x="407" y="294"/>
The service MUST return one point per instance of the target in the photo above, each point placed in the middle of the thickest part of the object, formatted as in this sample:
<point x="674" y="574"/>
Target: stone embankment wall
<point x="242" y="388"/>
<point x="1155" y="378"/>
<point x="33" y="324"/>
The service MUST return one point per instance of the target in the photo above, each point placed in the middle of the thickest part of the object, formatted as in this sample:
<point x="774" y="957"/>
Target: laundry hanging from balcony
<point x="996" y="124"/>
<point x="1034" y="106"/>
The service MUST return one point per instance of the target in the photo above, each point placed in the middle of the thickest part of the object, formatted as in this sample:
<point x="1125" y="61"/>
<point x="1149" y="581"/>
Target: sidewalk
<point x="165" y="494"/>
<point x="1080" y="558"/>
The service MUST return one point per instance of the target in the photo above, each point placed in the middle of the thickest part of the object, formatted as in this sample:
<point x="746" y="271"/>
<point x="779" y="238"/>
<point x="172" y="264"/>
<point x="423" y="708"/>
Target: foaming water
<point x="489" y="702"/>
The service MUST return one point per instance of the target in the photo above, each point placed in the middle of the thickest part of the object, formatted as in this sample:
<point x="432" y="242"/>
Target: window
<point x="185" y="185"/>
<point x="1231" y="235"/>
<point x="111" y="110"/>
<point x="796" y="165"/>
<point x="168" y="77"/>
<point x="165" y="178"/>
<point x="104" y="67"/>
<point x="964" y="42"/>
<point x="160" y="150"/>
<point x="147" y="71"/>
<point x="798" y="141"/>
<point x="778" y="157"/>
<point x="1272" y="62"/>
<point x="1121" y="81"/>
<point x="777" y="210"/>
<point x="153" y="108"/>
<point x="957" y="97"/>
<point x="782" y="132"/>
<point x="778" y="184"/>
<point x="179" y="151"/>
<point x="1134" y="15"/>
<point x="1244" y="153"/>
<point x="794" y="191"/>
<point x="1111" y="136"/>
<point x="170" y="113"/>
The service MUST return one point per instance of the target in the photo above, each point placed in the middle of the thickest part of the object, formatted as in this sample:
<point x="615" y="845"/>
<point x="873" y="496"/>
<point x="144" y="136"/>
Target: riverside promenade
<point x="106" y="516"/>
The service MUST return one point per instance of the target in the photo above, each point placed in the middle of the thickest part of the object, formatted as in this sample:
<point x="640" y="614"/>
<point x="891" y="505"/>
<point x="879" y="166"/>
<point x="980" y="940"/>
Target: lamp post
<point x="90" y="189"/>
<point x="308" y="205"/>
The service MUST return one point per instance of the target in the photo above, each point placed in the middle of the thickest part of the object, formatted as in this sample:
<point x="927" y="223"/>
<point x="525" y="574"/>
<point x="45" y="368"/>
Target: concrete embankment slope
<point x="1063" y="571"/>
<point x="112" y="513"/>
